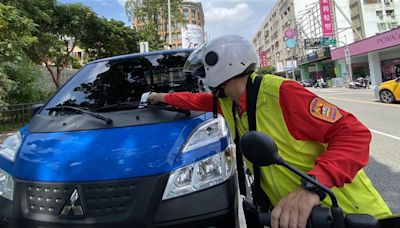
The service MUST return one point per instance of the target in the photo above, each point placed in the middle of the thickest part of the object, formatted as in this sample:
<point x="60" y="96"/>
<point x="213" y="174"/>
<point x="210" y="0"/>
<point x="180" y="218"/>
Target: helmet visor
<point x="194" y="64"/>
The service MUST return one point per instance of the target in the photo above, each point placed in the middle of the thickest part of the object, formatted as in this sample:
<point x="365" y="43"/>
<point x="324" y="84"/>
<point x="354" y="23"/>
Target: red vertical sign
<point x="326" y="17"/>
<point x="263" y="58"/>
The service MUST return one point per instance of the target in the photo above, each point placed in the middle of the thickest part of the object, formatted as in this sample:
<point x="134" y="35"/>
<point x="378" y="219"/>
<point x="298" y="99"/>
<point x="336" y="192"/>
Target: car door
<point x="396" y="89"/>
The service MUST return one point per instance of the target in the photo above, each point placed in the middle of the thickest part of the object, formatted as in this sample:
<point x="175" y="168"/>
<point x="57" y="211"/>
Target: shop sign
<point x="263" y="55"/>
<point x="326" y="17"/>
<point x="316" y="56"/>
<point x="192" y="36"/>
<point x="279" y="67"/>
<point x="316" y="43"/>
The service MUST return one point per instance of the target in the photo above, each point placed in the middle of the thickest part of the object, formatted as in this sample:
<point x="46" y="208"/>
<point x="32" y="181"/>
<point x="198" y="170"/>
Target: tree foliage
<point x="15" y="34"/>
<point x="25" y="87"/>
<point x="153" y="14"/>
<point x="17" y="74"/>
<point x="266" y="70"/>
<point x="105" y="38"/>
<point x="59" y="28"/>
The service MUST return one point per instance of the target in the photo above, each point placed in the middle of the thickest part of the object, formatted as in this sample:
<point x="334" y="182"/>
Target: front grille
<point x="97" y="199"/>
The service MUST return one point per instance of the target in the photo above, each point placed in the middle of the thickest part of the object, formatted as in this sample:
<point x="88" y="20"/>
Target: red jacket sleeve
<point x="192" y="101"/>
<point x="348" y="140"/>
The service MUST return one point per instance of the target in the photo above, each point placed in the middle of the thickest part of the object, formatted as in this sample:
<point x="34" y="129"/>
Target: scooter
<point x="321" y="84"/>
<point x="252" y="143"/>
<point x="359" y="83"/>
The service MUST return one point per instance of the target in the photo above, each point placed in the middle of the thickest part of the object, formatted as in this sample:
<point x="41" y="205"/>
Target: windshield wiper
<point x="118" y="106"/>
<point x="167" y="108"/>
<point x="83" y="111"/>
<point x="139" y="105"/>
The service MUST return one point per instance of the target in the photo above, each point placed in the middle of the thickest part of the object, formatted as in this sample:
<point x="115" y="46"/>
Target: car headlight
<point x="207" y="133"/>
<point x="202" y="174"/>
<point x="11" y="146"/>
<point x="6" y="185"/>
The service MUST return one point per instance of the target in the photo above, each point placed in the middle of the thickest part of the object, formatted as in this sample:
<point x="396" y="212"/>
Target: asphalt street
<point x="383" y="120"/>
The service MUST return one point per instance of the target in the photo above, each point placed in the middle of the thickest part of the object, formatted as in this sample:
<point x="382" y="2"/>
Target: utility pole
<point x="347" y="58"/>
<point x="169" y="25"/>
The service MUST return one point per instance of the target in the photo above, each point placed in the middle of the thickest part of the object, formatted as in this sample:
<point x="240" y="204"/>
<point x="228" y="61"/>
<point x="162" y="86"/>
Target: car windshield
<point x="115" y="81"/>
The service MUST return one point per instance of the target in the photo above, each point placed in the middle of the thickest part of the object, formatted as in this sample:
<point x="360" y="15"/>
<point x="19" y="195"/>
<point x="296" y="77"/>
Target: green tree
<point x="105" y="38"/>
<point x="15" y="37"/>
<point x="154" y="15"/>
<point x="266" y="70"/>
<point x="25" y="87"/>
<point x="5" y="87"/>
<point x="58" y="26"/>
<point x="15" y="34"/>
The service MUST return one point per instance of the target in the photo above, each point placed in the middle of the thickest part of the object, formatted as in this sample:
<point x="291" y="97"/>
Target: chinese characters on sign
<point x="326" y="17"/>
<point x="263" y="55"/>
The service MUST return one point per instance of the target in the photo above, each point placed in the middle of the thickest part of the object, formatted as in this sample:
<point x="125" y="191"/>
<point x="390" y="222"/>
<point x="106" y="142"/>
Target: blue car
<point x="96" y="156"/>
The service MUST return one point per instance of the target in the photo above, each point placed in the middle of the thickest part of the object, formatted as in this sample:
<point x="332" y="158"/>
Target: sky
<point x="222" y="17"/>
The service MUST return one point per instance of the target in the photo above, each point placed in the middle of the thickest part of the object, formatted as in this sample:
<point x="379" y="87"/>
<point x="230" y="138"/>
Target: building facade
<point x="304" y="17"/>
<point x="371" y="17"/>
<point x="270" y="35"/>
<point x="187" y="35"/>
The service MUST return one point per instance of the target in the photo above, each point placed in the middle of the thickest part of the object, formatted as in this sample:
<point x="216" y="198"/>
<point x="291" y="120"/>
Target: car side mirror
<point x="397" y="79"/>
<point x="36" y="108"/>
<point x="259" y="149"/>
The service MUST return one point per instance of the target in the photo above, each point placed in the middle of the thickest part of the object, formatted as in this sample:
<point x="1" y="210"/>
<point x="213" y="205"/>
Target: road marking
<point x="365" y="102"/>
<point x="384" y="134"/>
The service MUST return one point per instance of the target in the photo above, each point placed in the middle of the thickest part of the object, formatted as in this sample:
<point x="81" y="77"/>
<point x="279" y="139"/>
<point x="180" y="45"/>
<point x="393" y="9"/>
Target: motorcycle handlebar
<point x="321" y="218"/>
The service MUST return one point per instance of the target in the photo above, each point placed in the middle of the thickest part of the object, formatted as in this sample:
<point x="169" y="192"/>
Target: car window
<point x="124" y="80"/>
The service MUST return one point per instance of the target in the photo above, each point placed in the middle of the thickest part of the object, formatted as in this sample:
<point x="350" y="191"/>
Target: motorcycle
<point x="359" y="83"/>
<point x="321" y="84"/>
<point x="251" y="144"/>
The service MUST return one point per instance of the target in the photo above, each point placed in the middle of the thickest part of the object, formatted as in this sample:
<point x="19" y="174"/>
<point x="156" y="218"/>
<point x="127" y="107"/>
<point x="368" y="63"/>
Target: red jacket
<point x="348" y="142"/>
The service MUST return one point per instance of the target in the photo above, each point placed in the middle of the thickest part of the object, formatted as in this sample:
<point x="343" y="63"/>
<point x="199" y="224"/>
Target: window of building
<point x="186" y="13"/>
<point x="392" y="25"/>
<point x="379" y="14"/>
<point x="390" y="13"/>
<point x="193" y="13"/>
<point x="382" y="27"/>
<point x="371" y="1"/>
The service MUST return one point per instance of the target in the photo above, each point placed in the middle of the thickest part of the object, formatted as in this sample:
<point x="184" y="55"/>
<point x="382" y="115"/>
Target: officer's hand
<point x="294" y="209"/>
<point x="155" y="98"/>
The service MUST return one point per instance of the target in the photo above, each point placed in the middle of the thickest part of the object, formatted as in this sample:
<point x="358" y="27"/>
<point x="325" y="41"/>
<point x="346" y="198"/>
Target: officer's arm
<point x="309" y="117"/>
<point x="191" y="101"/>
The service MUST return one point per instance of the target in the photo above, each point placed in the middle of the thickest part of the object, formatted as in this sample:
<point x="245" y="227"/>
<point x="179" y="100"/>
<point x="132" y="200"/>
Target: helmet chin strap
<point x="217" y="93"/>
<point x="215" y="111"/>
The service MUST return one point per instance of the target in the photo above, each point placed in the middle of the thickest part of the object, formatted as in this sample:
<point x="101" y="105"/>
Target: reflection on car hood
<point x="103" y="154"/>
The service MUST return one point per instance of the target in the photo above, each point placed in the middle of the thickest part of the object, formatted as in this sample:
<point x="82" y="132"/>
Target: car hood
<point x="387" y="83"/>
<point x="103" y="154"/>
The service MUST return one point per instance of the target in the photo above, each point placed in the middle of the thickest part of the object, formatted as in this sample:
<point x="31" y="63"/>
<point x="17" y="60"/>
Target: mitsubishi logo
<point x="73" y="206"/>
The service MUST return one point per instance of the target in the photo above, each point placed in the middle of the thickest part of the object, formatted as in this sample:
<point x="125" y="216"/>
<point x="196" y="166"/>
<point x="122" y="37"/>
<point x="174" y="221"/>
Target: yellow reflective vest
<point x="360" y="196"/>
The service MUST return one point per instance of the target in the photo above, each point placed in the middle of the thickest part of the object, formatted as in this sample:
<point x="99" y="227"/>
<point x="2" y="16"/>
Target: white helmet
<point x="222" y="59"/>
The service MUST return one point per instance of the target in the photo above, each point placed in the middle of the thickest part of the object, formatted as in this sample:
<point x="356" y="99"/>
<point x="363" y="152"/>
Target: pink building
<point x="377" y="56"/>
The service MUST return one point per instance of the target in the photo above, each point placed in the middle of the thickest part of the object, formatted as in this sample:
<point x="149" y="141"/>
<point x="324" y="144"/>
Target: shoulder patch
<point x="323" y="110"/>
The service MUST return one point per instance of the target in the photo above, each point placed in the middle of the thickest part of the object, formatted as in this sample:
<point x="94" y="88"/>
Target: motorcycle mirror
<point x="259" y="149"/>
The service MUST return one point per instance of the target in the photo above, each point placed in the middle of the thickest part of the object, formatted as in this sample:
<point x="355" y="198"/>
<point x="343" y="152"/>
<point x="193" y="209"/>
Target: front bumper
<point x="133" y="203"/>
